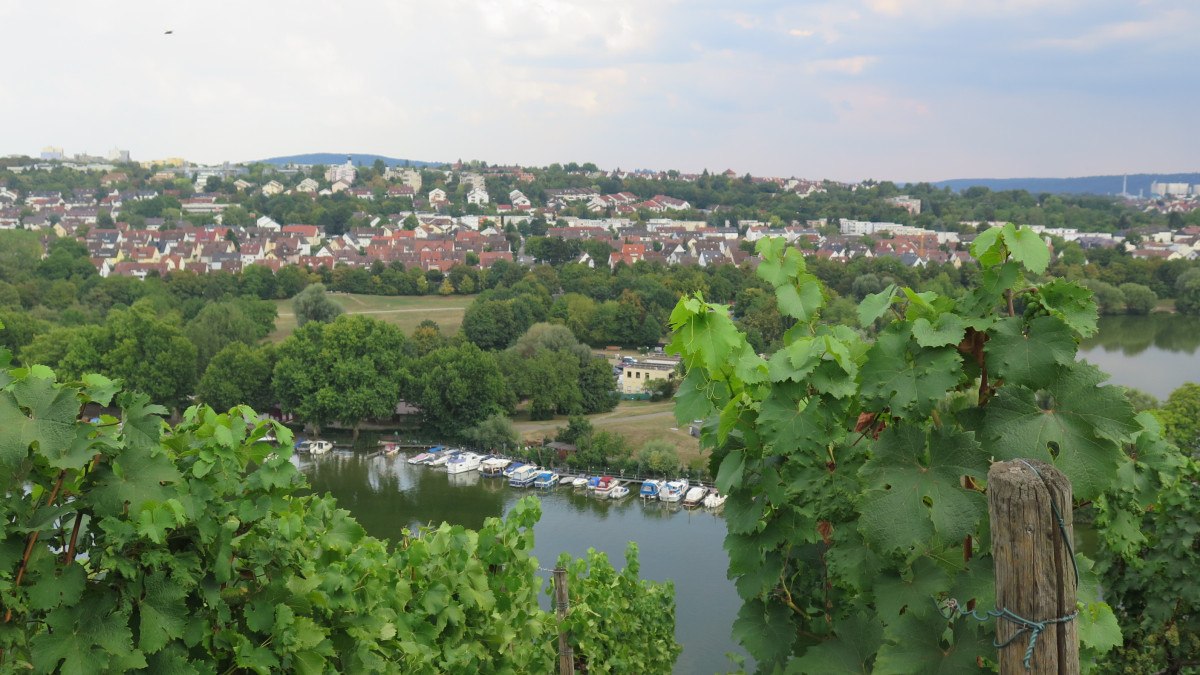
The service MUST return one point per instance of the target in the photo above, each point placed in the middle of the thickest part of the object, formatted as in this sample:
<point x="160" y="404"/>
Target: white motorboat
<point x="567" y="480"/>
<point x="715" y="500"/>
<point x="673" y="490"/>
<point x="441" y="459"/>
<point x="694" y="496"/>
<point x="494" y="466"/>
<point x="524" y="476"/>
<point x="604" y="486"/>
<point x="580" y="482"/>
<point x="464" y="462"/>
<point x="618" y="492"/>
<point x="545" y="479"/>
<point x="421" y="458"/>
<point x="316" y="447"/>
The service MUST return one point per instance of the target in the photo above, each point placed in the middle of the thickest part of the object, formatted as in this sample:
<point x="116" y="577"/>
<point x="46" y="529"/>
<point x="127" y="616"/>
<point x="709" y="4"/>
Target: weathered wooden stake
<point x="1035" y="574"/>
<point x="562" y="600"/>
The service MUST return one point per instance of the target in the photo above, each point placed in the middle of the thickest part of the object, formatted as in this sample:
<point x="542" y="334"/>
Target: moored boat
<point x="314" y="447"/>
<point x="464" y="462"/>
<point x="421" y="458"/>
<point x="604" y="486"/>
<point x="673" y="490"/>
<point x="618" y="492"/>
<point x="524" y="476"/>
<point x="442" y="458"/>
<point x="714" y="499"/>
<point x="493" y="467"/>
<point x="566" y="480"/>
<point x="650" y="488"/>
<point x="694" y="496"/>
<point x="545" y="479"/>
<point x="509" y="470"/>
<point x="391" y="449"/>
<point x="580" y="482"/>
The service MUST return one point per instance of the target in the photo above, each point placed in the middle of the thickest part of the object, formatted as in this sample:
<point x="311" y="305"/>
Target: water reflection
<point x="1153" y="353"/>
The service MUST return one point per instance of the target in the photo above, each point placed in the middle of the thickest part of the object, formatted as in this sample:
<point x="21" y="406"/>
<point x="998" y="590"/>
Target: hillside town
<point x="436" y="231"/>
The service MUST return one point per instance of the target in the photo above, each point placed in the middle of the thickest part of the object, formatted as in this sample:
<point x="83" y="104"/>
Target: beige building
<point x="635" y="376"/>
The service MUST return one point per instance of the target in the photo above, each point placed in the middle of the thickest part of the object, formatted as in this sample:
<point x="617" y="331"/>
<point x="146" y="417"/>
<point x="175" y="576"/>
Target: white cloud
<point x="802" y="32"/>
<point x="1170" y="25"/>
<point x="849" y="65"/>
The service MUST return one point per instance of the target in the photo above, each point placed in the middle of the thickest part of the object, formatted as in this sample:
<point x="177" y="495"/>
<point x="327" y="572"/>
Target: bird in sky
<point x="169" y="32"/>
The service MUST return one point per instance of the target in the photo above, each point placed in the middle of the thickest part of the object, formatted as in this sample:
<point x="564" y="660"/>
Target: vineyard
<point x="856" y="469"/>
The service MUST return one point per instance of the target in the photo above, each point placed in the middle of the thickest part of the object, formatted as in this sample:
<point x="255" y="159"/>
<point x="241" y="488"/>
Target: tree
<point x="1187" y="292"/>
<point x="1108" y="297"/>
<point x="290" y="280"/>
<point x="1180" y="416"/>
<point x="239" y="374"/>
<point x="1139" y="299"/>
<point x="458" y="387"/>
<point x="495" y="433"/>
<point x="350" y="370"/>
<point x="220" y="324"/>
<point x="312" y="304"/>
<point x="659" y="456"/>
<point x="490" y="324"/>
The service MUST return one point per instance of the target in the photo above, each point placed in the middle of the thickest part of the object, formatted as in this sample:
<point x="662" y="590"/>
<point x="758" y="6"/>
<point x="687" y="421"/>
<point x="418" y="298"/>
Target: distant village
<point x="429" y="237"/>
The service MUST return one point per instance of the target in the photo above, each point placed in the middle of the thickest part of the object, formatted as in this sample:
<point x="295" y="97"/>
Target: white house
<point x="477" y="196"/>
<point x="308" y="185"/>
<point x="273" y="188"/>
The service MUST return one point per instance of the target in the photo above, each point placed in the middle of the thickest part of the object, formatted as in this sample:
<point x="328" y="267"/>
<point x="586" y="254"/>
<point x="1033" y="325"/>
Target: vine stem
<point x="74" y="537"/>
<point x="31" y="541"/>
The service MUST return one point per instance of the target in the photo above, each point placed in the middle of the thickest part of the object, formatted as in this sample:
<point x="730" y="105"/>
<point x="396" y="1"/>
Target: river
<point x="1153" y="353"/>
<point x="387" y="495"/>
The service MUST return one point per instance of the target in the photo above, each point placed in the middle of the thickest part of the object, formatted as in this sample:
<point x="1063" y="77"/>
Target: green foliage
<point x="458" y="387"/>
<point x="312" y="304"/>
<point x="1180" y="416"/>
<point x="1139" y="299"/>
<point x="140" y="547"/>
<point x="239" y="375"/>
<point x="350" y="370"/>
<point x="615" y="614"/>
<point x="856" y="471"/>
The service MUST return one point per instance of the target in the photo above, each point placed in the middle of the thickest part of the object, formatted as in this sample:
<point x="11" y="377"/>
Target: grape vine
<point x="856" y="470"/>
<point x="130" y="545"/>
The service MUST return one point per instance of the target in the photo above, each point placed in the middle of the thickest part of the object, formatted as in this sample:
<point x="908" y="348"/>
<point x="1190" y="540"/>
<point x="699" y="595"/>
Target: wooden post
<point x="562" y="600"/>
<point x="1035" y="574"/>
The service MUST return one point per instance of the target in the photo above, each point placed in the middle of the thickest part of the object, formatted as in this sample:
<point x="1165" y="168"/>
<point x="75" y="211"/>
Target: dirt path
<point x="395" y="311"/>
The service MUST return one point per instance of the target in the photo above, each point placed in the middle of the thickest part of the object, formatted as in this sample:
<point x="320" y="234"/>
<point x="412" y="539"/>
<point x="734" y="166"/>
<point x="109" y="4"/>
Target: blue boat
<point x="650" y="489"/>
<point x="545" y="479"/>
<point x="511" y="469"/>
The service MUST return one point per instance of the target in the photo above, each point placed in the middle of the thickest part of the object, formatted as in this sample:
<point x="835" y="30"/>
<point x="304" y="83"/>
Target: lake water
<point x="387" y="495"/>
<point x="1155" y="353"/>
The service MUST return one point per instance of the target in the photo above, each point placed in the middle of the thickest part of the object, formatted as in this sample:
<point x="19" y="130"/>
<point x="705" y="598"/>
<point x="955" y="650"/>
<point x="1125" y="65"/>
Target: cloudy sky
<point x="845" y="89"/>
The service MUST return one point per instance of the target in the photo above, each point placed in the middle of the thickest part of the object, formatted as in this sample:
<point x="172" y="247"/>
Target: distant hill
<point x="1097" y="185"/>
<point x="340" y="158"/>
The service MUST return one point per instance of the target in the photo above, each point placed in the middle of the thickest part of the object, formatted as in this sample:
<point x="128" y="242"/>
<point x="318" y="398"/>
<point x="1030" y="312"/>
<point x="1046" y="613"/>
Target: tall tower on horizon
<point x="1125" y="186"/>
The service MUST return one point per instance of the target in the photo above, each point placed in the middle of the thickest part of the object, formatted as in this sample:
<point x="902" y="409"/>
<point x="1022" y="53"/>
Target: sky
<point x="901" y="90"/>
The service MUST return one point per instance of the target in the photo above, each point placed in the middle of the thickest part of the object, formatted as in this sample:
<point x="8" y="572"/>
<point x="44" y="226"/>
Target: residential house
<point x="272" y="188"/>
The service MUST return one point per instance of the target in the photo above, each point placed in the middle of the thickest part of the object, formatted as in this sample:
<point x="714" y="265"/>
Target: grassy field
<point x="402" y="311"/>
<point x="637" y="421"/>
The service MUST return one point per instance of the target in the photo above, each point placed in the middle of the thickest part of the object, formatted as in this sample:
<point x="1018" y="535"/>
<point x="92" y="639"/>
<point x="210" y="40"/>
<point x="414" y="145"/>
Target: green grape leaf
<point x="1026" y="247"/>
<point x="692" y="399"/>
<point x="1098" y="627"/>
<point x="749" y="367"/>
<point x="37" y="412"/>
<point x="141" y="421"/>
<point x="64" y="588"/>
<point x="1083" y="421"/>
<point x="83" y="638"/>
<point x="134" y="477"/>
<point x="1072" y="303"/>
<point x="850" y="653"/>
<point x="765" y="629"/>
<point x="99" y="389"/>
<point x="911" y="595"/>
<point x="988" y="247"/>
<point x="873" y="306"/>
<point x="1030" y="359"/>
<point x="907" y="380"/>
<point x="780" y="262"/>
<point x="801" y="299"/>
<point x="920" y="645"/>
<point x="711" y="337"/>
<point x="916" y="492"/>
<point x="947" y="330"/>
<point x="730" y="473"/>
<point x="163" y="612"/>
